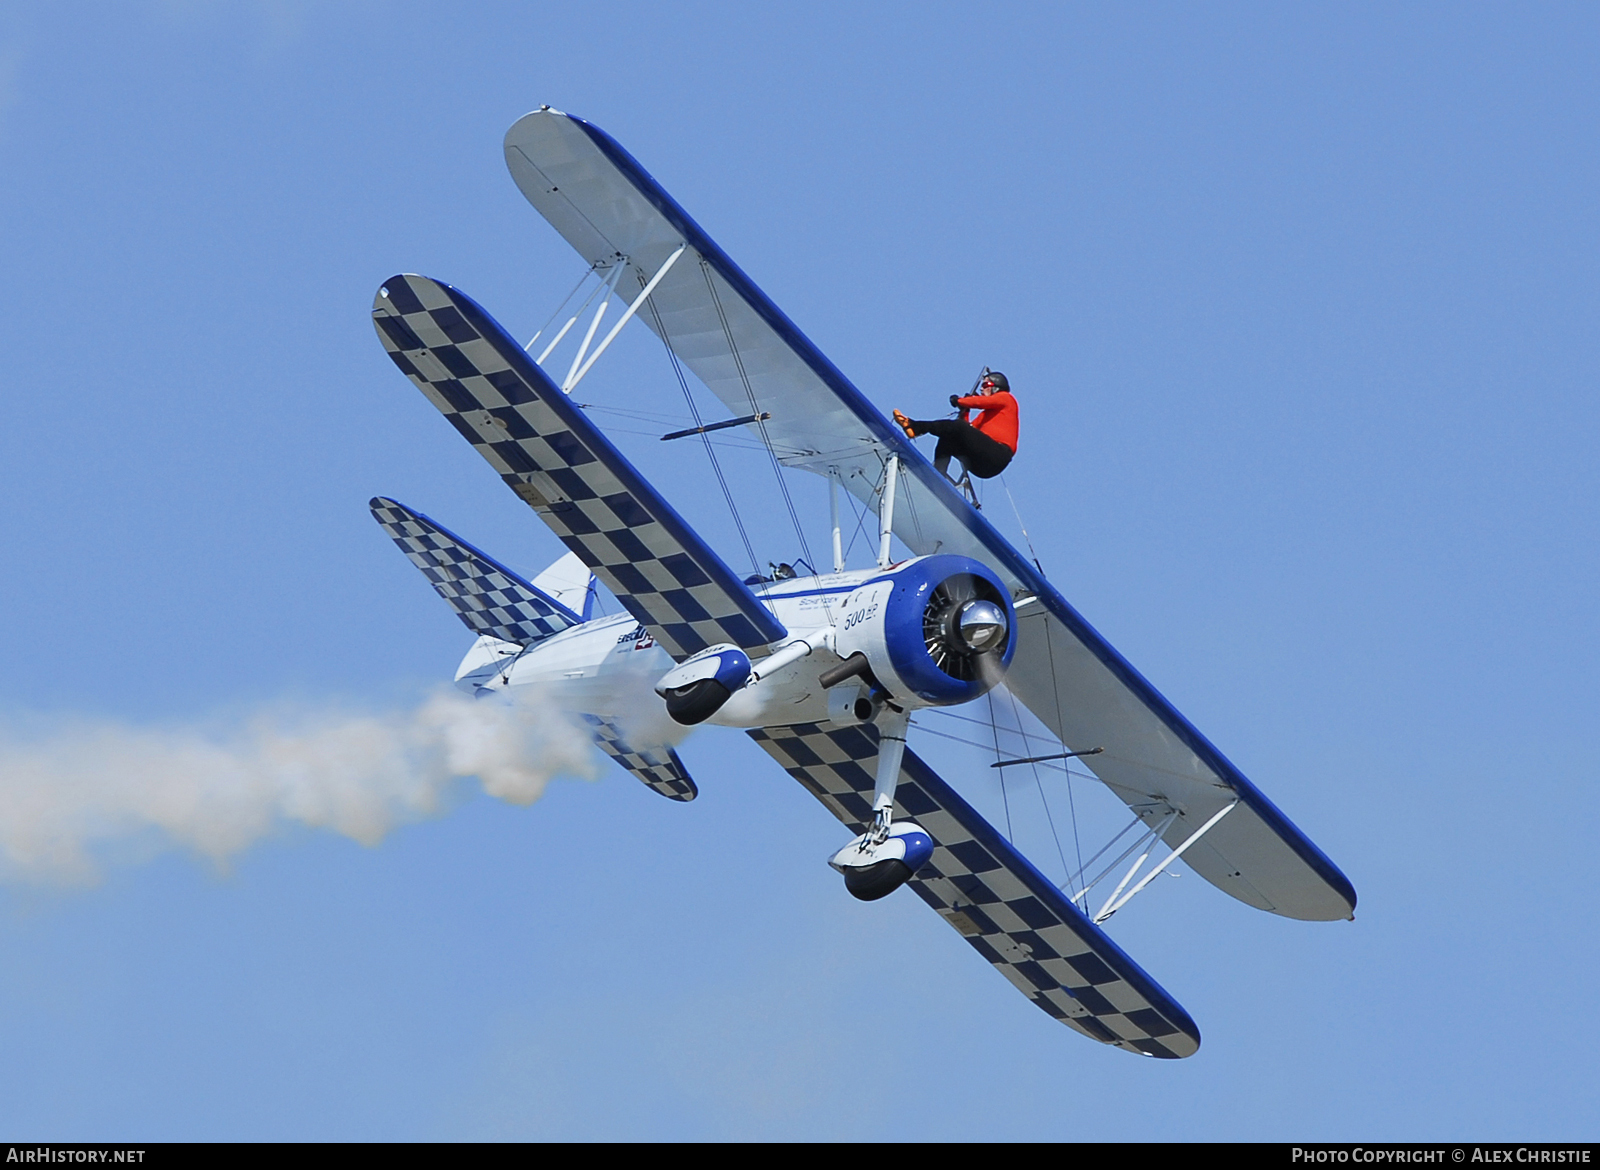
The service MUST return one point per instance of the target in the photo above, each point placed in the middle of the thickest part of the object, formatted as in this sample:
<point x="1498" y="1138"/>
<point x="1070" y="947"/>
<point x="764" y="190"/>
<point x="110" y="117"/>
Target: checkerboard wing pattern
<point x="488" y="597"/>
<point x="659" y="768"/>
<point x="1008" y="911"/>
<point x="552" y="456"/>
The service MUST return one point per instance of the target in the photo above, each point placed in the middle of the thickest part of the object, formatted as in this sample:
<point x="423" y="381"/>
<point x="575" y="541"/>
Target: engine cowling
<point x="936" y="631"/>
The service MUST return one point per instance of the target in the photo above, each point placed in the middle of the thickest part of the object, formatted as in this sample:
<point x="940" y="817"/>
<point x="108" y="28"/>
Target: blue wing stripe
<point x="559" y="463"/>
<point x="1006" y="909"/>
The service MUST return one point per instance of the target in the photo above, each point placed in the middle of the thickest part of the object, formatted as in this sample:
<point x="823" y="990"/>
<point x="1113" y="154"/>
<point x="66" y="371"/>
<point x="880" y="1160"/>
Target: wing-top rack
<point x="725" y="329"/>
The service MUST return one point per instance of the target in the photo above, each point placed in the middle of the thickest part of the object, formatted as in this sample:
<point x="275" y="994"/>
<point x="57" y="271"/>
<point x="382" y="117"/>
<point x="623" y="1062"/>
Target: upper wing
<point x="753" y="357"/>
<point x="486" y="595"/>
<point x="715" y="319"/>
<point x="566" y="470"/>
<point x="1011" y="913"/>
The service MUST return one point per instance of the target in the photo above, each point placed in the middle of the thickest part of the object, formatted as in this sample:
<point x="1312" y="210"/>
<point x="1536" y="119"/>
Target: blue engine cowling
<point x="936" y="631"/>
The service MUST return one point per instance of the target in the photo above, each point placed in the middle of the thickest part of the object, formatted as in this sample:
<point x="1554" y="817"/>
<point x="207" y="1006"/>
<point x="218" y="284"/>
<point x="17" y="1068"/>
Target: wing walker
<point x="823" y="669"/>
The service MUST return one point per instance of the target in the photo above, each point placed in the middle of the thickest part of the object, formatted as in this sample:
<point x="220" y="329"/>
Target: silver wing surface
<point x="756" y="361"/>
<point x="1008" y="911"/>
<point x="566" y="470"/>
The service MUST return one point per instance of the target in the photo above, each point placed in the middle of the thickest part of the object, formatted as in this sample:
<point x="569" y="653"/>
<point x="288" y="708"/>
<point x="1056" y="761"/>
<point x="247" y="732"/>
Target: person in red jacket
<point x="984" y="447"/>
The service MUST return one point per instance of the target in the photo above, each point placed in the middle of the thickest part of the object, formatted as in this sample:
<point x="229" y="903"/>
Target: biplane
<point x="823" y="669"/>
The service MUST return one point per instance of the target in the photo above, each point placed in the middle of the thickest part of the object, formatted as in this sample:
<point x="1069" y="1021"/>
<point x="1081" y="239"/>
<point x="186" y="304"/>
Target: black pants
<point x="983" y="457"/>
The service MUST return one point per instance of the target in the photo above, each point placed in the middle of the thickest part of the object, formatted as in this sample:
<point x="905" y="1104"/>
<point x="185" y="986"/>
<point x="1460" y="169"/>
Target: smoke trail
<point x="73" y="791"/>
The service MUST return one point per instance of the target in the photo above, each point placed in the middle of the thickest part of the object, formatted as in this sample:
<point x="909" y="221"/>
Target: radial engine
<point x="933" y="632"/>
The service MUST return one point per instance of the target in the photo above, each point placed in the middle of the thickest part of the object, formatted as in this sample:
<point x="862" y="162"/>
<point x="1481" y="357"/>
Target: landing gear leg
<point x="879" y="861"/>
<point x="892" y="726"/>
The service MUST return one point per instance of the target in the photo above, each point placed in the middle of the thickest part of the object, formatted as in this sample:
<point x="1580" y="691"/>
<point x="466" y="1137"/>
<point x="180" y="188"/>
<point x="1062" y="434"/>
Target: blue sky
<point x="1300" y="306"/>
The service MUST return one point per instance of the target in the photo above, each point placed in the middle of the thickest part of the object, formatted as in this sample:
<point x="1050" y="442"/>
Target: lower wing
<point x="1006" y="909"/>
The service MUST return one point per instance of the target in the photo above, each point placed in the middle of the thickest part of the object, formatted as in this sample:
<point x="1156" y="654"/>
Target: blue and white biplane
<point x="825" y="670"/>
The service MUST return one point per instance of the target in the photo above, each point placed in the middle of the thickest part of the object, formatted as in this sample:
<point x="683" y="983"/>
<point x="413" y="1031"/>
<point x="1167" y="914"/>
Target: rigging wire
<point x="911" y="504"/>
<point x="1020" y="524"/>
<point x="677" y="368"/>
<point x="761" y="425"/>
<point x="603" y="286"/>
<point x="860" y="512"/>
<point x="983" y="747"/>
<point x="562" y="305"/>
<point x="946" y="735"/>
<point x="1039" y="784"/>
<point x="725" y="444"/>
<point x="1055" y="688"/>
<point x="1052" y="765"/>
<point x="1004" y="799"/>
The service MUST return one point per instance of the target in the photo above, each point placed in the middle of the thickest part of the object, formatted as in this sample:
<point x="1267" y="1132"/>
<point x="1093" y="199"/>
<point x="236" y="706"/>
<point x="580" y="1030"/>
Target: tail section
<point x="546" y="450"/>
<point x="569" y="582"/>
<point x="489" y="598"/>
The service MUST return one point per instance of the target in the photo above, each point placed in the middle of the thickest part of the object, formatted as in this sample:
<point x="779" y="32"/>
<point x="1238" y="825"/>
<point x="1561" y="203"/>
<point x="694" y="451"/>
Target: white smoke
<point x="70" y="793"/>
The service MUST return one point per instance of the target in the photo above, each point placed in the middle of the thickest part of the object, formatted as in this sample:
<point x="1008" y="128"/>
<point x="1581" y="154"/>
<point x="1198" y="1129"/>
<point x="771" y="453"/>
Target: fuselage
<point x="609" y="665"/>
<point x="930" y="631"/>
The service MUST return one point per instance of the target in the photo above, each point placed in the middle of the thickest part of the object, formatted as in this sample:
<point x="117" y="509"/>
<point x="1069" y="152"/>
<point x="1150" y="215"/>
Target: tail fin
<point x="488" y="597"/>
<point x="569" y="582"/>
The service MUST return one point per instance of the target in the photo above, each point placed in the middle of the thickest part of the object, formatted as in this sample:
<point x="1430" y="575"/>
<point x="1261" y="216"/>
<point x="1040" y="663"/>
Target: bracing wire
<point x="587" y="274"/>
<point x="1018" y="514"/>
<point x="923" y="727"/>
<point x="683" y="383"/>
<point x="755" y="409"/>
<point x="911" y="505"/>
<point x="1004" y="799"/>
<point x="860" y="529"/>
<point x="1052" y="765"/>
<point x="1039" y="784"/>
<point x="1055" y="688"/>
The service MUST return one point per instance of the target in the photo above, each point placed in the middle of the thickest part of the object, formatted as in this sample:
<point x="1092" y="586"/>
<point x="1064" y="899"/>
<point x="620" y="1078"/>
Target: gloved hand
<point x="955" y="401"/>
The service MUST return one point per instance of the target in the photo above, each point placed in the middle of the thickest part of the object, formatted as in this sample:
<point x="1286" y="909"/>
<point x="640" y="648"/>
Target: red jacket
<point x="999" y="418"/>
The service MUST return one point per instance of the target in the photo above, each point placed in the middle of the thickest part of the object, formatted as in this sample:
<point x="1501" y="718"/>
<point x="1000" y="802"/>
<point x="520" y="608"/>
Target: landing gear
<point x="875" y="867"/>
<point x="880" y="861"/>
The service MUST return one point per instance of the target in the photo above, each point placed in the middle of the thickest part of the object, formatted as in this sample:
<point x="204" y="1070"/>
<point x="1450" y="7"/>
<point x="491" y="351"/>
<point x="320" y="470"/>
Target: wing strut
<point x="609" y="287"/>
<point x="1114" y="903"/>
<point x="572" y="381"/>
<point x="891" y="476"/>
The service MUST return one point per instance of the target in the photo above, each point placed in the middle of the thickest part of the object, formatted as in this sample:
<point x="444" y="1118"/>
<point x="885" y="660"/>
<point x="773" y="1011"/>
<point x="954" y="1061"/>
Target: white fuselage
<point x="611" y="664"/>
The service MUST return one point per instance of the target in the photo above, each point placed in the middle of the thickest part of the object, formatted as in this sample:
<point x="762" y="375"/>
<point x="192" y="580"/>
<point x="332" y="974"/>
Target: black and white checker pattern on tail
<point x="552" y="456"/>
<point x="486" y="595"/>
<point x="659" y="768"/>
<point x="1011" y="913"/>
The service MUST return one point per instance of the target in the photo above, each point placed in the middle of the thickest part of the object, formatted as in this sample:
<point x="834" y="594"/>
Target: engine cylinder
<point x="935" y="631"/>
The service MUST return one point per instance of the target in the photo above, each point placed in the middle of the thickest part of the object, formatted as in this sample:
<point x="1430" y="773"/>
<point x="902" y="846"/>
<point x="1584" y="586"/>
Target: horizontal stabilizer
<point x="559" y="463"/>
<point x="1011" y="913"/>
<point x="488" y="597"/>
<point x="659" y="767"/>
